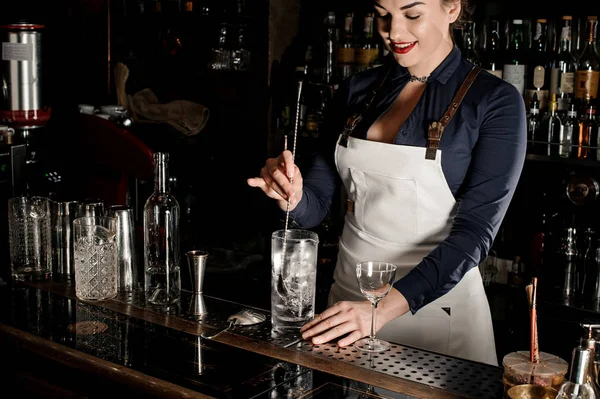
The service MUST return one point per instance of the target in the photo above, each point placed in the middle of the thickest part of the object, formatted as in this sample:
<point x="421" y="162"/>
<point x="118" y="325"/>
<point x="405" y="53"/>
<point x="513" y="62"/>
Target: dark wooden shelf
<point x="565" y="161"/>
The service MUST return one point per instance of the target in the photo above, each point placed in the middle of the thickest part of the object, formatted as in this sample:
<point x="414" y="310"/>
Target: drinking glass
<point x="95" y="258"/>
<point x="30" y="238"/>
<point x="293" y="278"/>
<point x="375" y="281"/>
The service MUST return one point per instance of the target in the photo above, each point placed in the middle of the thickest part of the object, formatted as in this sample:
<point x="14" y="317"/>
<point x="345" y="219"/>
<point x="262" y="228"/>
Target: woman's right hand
<point x="275" y="178"/>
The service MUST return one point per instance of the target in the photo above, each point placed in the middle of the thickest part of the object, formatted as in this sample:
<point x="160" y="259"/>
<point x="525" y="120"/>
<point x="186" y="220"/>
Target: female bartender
<point x="429" y="150"/>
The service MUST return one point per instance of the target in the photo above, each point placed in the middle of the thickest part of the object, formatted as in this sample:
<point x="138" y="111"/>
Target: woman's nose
<point x="396" y="30"/>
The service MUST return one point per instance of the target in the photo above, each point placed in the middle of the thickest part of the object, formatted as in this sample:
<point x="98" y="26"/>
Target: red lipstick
<point x="406" y="47"/>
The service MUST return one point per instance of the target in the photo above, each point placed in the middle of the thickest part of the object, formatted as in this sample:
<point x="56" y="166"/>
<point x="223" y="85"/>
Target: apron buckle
<point x="434" y="135"/>
<point x="349" y="128"/>
<point x="349" y="206"/>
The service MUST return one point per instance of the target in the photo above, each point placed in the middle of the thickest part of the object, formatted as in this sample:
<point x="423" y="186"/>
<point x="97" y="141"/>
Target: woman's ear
<point x="454" y="11"/>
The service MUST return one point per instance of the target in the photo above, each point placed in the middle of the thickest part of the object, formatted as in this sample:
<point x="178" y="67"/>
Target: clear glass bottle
<point x="534" y="127"/>
<point x="569" y="255"/>
<point x="161" y="239"/>
<point x="578" y="386"/>
<point x="570" y="133"/>
<point x="552" y="128"/>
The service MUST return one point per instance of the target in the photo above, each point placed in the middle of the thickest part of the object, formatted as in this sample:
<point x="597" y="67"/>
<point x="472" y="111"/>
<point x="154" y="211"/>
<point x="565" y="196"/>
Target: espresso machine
<point x="23" y="112"/>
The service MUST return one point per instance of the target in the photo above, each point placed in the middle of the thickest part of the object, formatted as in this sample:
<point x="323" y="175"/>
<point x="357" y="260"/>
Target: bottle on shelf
<point x="221" y="52"/>
<point x="492" y="56"/>
<point x="161" y="239"/>
<point x="570" y="134"/>
<point x="588" y="133"/>
<point x="514" y="68"/>
<point x="534" y="127"/>
<point x="331" y="40"/>
<point x="569" y="255"/>
<point x="538" y="68"/>
<point x="552" y="129"/>
<point x="588" y="267"/>
<point x="577" y="386"/>
<point x="588" y="66"/>
<point x="367" y="52"/>
<point x="346" y="52"/>
<point x="469" y="52"/>
<point x="562" y="75"/>
<point x="240" y="53"/>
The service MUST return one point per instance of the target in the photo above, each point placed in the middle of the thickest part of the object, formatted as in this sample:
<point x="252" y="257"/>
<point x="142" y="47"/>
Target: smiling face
<point x="417" y="32"/>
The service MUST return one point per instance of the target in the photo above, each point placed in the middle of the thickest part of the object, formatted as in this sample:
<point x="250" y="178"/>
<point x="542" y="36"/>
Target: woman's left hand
<point x="353" y="319"/>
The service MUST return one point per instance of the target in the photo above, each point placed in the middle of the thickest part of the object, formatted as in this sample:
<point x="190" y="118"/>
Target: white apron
<point x="402" y="209"/>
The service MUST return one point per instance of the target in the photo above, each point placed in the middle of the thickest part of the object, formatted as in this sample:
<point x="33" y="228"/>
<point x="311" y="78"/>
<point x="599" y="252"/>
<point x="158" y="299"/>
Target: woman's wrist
<point x="392" y="306"/>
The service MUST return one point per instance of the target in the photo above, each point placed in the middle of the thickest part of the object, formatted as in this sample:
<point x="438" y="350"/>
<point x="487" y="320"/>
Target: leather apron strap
<point x="434" y="134"/>
<point x="355" y="119"/>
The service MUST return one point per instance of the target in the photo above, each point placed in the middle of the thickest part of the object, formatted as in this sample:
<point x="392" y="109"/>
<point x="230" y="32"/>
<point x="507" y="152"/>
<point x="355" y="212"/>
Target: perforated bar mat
<point x="465" y="378"/>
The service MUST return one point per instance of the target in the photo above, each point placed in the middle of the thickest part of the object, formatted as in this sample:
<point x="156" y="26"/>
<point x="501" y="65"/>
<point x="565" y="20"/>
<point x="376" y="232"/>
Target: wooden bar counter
<point x="55" y="345"/>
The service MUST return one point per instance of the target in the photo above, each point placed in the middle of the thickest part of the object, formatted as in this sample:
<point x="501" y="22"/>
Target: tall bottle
<point x="514" y="67"/>
<point x="331" y="40"/>
<point x="538" y="67"/>
<point x="346" y="52"/>
<point x="552" y="129"/>
<point x="569" y="256"/>
<point x="534" y="127"/>
<point x="470" y="53"/>
<point x="578" y="386"/>
<point x="588" y="67"/>
<point x="588" y="134"/>
<point x="492" y="57"/>
<point x="562" y="77"/>
<point x="161" y="239"/>
<point x="588" y="266"/>
<point x="367" y="52"/>
<point x="570" y="134"/>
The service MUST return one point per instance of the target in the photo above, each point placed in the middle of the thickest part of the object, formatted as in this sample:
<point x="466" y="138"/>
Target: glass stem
<point x="373" y="321"/>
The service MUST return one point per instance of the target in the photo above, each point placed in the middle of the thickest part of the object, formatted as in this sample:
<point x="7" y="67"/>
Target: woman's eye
<point x="385" y="16"/>
<point x="413" y="16"/>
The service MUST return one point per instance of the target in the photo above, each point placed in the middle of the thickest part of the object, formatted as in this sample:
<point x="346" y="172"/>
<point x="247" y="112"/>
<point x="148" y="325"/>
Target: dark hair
<point x="466" y="12"/>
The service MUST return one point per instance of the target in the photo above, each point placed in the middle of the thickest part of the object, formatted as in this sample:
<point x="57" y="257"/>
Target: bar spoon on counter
<point x="244" y="317"/>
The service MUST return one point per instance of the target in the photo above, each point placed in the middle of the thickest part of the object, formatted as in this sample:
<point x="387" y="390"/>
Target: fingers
<point x="350" y="339"/>
<point x="276" y="176"/>
<point x="287" y="159"/>
<point x="270" y="188"/>
<point x="332" y="323"/>
<point x="320" y="317"/>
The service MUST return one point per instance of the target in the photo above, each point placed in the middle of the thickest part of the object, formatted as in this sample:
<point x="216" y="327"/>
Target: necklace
<point x="422" y="79"/>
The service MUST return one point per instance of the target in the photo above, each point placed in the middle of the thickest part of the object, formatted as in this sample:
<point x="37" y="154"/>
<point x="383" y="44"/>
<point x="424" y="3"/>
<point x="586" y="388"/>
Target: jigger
<point x="197" y="265"/>
<point x="197" y="305"/>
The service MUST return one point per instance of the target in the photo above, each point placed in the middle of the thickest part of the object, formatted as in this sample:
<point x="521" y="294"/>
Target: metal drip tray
<point x="219" y="310"/>
<point x="463" y="377"/>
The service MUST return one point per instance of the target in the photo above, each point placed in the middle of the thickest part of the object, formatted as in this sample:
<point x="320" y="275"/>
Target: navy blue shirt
<point x="484" y="150"/>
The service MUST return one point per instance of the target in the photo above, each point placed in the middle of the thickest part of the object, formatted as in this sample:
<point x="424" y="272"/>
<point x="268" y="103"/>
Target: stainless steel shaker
<point x="129" y="277"/>
<point x="63" y="262"/>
